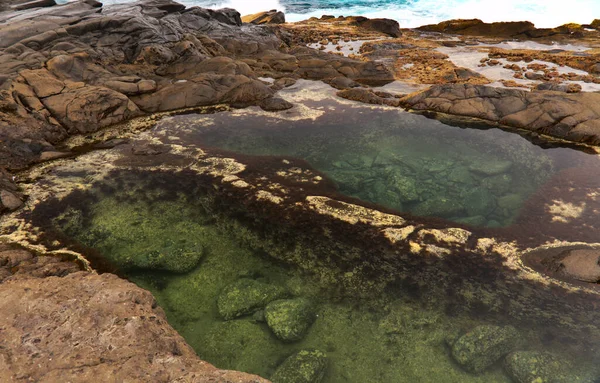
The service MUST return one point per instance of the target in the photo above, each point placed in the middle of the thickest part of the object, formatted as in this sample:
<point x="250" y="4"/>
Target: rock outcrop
<point x="269" y="17"/>
<point x="109" y="329"/>
<point x="574" y="117"/>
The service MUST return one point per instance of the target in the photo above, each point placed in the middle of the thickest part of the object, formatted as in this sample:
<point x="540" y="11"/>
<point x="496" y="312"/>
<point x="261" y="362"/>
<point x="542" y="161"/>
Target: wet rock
<point x="510" y="202"/>
<point x="553" y="86"/>
<point x="462" y="75"/>
<point x="275" y="104"/>
<point x="490" y="168"/>
<point x="580" y="264"/>
<point x="306" y="366"/>
<point x="387" y="26"/>
<point x="241" y="344"/>
<point x="341" y="83"/>
<point x="9" y="200"/>
<point x="245" y="296"/>
<point x="472" y="221"/>
<point x="405" y="187"/>
<point x="480" y="202"/>
<point x="439" y="207"/>
<point x="289" y="319"/>
<point x="270" y="17"/>
<point x="90" y="108"/>
<point x="362" y="95"/>
<point x="574" y="117"/>
<point x="476" y="27"/>
<point x="498" y="184"/>
<point x="483" y="346"/>
<point x="534" y="366"/>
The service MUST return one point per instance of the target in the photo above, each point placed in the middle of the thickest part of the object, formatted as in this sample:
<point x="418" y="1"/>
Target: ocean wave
<point x="414" y="13"/>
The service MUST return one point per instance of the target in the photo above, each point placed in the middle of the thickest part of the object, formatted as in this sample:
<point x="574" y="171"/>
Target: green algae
<point x="245" y="296"/>
<point x="368" y="333"/>
<point x="289" y="319"/>
<point x="306" y="366"/>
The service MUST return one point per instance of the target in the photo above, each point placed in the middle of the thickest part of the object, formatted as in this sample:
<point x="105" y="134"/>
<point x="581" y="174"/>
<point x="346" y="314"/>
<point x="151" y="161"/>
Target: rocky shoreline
<point x="81" y="77"/>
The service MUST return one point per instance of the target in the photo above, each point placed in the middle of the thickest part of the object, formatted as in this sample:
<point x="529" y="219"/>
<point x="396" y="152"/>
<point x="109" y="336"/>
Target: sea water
<point x="173" y="234"/>
<point x="414" y="13"/>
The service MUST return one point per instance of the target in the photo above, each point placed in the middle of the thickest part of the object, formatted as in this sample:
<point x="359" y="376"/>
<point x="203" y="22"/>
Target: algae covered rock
<point x="479" y="202"/>
<point x="245" y="296"/>
<point x="241" y="345"/>
<point x="305" y="366"/>
<point x="440" y="207"/>
<point x="289" y="319"/>
<point x="534" y="366"/>
<point x="483" y="346"/>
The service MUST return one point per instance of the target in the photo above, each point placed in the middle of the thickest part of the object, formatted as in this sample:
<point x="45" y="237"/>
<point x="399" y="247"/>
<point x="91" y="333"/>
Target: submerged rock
<point x="479" y="202"/>
<point x="483" y="346"/>
<point x="241" y="345"/>
<point x="306" y="366"/>
<point x="536" y="367"/>
<point x="289" y="319"/>
<point x="439" y="207"/>
<point x="245" y="296"/>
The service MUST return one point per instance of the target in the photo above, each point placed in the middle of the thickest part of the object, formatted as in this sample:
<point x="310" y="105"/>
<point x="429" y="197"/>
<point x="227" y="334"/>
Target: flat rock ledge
<point x="573" y="117"/>
<point x="78" y="326"/>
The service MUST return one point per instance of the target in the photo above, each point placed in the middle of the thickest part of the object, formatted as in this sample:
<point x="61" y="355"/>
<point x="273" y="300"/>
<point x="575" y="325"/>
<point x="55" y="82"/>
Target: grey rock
<point x="9" y="200"/>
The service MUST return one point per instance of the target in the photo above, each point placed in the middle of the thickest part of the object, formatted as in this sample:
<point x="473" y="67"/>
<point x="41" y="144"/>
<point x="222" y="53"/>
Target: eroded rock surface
<point x="109" y="329"/>
<point x="574" y="117"/>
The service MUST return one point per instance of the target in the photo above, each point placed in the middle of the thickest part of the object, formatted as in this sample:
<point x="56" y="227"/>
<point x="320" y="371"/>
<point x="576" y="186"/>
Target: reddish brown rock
<point x="80" y="326"/>
<point x="269" y="17"/>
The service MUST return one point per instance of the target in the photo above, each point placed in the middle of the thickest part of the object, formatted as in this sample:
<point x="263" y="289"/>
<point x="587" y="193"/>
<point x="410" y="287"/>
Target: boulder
<point x="534" y="366"/>
<point x="571" y="116"/>
<point x="386" y="26"/>
<point x="275" y="104"/>
<point x="289" y="319"/>
<point x="270" y="17"/>
<point x="9" y="200"/>
<point x="305" y="366"/>
<point x="89" y="108"/>
<point x="582" y="264"/>
<point x="476" y="27"/>
<point x="483" y="346"/>
<point x="245" y="296"/>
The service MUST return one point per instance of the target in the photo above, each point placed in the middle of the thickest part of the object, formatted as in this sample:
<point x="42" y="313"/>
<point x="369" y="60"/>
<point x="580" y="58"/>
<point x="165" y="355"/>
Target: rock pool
<point x="358" y="245"/>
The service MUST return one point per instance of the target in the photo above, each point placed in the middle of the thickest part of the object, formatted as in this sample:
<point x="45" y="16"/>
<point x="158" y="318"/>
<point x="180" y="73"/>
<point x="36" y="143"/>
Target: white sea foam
<point x="543" y="13"/>
<point x="414" y="13"/>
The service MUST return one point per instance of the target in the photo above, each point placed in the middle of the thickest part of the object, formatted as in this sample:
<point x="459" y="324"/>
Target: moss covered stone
<point x="241" y="345"/>
<point x="305" y="366"/>
<point x="537" y="367"/>
<point x="245" y="296"/>
<point x="289" y="319"/>
<point x="483" y="346"/>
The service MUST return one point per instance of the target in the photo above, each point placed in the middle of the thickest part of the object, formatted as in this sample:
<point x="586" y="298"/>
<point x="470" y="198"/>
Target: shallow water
<point x="162" y="232"/>
<point x="401" y="161"/>
<point x="170" y="232"/>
